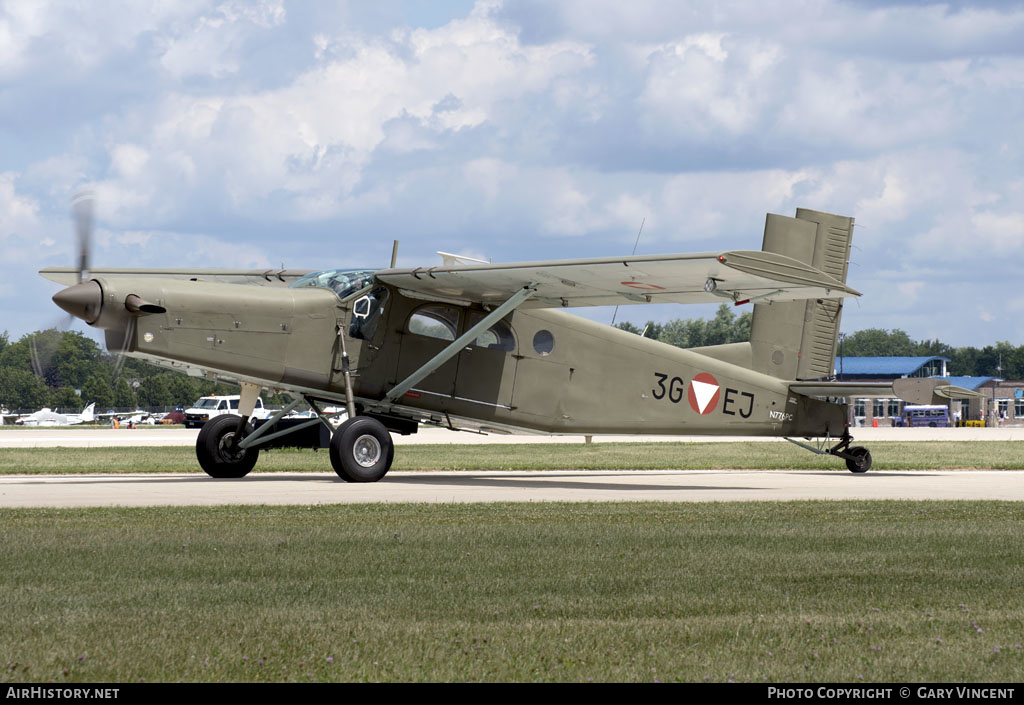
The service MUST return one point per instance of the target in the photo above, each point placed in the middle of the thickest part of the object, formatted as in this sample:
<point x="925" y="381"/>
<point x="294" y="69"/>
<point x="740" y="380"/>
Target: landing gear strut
<point x="361" y="448"/>
<point x="858" y="458"/>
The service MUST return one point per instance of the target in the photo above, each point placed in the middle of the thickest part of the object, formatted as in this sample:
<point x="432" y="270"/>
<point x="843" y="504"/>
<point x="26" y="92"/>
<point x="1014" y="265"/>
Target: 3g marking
<point x="674" y="391"/>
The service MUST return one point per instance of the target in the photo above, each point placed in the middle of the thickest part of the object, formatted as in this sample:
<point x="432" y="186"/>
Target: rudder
<point x="797" y="340"/>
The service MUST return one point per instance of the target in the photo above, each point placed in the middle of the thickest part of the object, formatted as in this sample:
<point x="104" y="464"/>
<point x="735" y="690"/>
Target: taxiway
<point x="494" y="486"/>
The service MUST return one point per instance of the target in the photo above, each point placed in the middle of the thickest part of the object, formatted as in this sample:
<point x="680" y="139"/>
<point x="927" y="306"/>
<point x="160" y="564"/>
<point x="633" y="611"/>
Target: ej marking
<point x="730" y="400"/>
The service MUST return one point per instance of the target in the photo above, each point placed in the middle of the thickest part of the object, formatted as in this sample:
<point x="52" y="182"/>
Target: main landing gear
<point x="858" y="458"/>
<point x="361" y="448"/>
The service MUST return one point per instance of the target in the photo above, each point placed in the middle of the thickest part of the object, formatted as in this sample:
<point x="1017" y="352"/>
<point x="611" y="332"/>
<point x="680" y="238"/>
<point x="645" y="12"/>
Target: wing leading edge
<point x="740" y="276"/>
<point x="262" y="277"/>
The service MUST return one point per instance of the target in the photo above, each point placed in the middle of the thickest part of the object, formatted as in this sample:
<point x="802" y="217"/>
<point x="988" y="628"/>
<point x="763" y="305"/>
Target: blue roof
<point x="883" y="366"/>
<point x="971" y="383"/>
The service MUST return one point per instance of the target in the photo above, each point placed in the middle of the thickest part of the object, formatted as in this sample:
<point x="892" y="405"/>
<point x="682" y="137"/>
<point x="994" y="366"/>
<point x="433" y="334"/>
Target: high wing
<point x="739" y="276"/>
<point x="68" y="276"/>
<point x="916" y="390"/>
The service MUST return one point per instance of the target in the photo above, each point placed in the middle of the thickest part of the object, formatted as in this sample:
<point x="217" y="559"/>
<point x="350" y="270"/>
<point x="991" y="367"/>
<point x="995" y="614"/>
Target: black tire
<point x="362" y="450"/>
<point x="861" y="461"/>
<point x="213" y="448"/>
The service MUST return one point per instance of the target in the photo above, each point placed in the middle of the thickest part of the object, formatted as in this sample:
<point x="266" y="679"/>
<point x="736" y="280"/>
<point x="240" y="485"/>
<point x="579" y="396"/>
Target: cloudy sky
<point x="312" y="134"/>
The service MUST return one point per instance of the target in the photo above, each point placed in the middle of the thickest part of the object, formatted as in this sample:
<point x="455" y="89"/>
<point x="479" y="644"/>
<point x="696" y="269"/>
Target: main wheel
<point x="362" y="450"/>
<point x="861" y="460"/>
<point x="216" y="450"/>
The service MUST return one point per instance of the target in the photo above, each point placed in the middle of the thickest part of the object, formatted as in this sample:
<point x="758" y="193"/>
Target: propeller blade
<point x="41" y="358"/>
<point x="83" y="207"/>
<point x="129" y="335"/>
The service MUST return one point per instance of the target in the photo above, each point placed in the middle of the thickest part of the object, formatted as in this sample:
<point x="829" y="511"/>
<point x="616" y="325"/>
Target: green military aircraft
<point x="486" y="347"/>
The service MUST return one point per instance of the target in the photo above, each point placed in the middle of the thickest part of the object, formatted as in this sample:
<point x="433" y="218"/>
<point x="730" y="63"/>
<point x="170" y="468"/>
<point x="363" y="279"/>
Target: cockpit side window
<point x="498" y="337"/>
<point x="435" y="321"/>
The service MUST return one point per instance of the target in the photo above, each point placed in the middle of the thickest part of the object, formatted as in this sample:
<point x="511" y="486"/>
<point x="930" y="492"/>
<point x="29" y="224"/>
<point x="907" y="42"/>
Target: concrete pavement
<point x="493" y="486"/>
<point x="155" y="436"/>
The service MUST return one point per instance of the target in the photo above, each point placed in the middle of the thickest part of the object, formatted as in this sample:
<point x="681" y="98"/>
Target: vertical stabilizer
<point x="797" y="340"/>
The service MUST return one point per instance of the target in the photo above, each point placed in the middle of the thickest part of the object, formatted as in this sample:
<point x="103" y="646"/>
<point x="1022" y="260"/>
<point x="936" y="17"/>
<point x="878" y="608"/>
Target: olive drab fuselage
<point x="538" y="369"/>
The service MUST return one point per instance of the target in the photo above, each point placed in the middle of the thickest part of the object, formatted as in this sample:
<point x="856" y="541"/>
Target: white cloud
<point x="80" y="36"/>
<point x="313" y="137"/>
<point x="210" y="43"/>
<point x="19" y="215"/>
<point x="708" y="82"/>
<point x="709" y="205"/>
<point x="910" y="291"/>
<point x="1000" y="233"/>
<point x="521" y="129"/>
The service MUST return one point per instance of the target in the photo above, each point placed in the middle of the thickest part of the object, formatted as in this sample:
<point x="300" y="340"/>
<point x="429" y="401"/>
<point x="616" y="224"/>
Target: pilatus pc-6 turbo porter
<point x="486" y="347"/>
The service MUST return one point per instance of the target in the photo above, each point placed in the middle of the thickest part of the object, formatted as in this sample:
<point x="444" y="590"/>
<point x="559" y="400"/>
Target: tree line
<point x="1000" y="360"/>
<point x="67" y="370"/>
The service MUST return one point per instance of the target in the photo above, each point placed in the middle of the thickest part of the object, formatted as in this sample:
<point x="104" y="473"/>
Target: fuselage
<point x="537" y="369"/>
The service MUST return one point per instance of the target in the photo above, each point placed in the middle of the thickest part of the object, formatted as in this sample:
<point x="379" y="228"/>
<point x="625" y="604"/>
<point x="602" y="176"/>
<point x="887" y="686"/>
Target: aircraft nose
<point x="82" y="300"/>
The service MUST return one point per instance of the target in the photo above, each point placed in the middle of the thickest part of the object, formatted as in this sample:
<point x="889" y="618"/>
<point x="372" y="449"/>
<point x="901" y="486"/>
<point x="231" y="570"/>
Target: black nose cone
<point x="82" y="300"/>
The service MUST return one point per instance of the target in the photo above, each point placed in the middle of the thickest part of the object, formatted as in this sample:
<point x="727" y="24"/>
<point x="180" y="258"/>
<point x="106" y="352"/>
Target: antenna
<point x="394" y="254"/>
<point x="616" y="312"/>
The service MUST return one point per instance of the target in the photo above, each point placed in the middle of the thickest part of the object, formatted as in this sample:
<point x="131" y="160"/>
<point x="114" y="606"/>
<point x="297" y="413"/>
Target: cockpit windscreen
<point x="341" y="281"/>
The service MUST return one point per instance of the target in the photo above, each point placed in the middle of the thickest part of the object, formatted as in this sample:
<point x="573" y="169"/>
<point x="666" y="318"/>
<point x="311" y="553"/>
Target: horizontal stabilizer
<point x="916" y="390"/>
<point x="927" y="390"/>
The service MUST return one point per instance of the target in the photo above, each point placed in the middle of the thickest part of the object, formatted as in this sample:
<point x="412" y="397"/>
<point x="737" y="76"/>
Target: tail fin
<point x="87" y="413"/>
<point x="797" y="340"/>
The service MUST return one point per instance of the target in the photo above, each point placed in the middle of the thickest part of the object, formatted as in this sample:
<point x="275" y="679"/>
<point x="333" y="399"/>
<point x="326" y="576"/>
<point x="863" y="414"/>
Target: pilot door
<point x="365" y="331"/>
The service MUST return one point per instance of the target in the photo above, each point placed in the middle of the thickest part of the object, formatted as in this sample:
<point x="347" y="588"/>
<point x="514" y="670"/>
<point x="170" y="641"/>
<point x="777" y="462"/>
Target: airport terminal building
<point x="1003" y="404"/>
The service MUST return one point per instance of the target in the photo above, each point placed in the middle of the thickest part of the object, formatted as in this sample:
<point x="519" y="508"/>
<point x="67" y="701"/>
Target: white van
<point x="208" y="407"/>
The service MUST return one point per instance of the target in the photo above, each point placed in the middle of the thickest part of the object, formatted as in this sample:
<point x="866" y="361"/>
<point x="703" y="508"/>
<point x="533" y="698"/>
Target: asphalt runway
<point x="451" y="487"/>
<point x="93" y="437"/>
<point x="575" y="486"/>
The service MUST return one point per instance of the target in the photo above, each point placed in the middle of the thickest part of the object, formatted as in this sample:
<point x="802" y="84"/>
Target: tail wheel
<point x="362" y="450"/>
<point x="860" y="460"/>
<point x="217" y="451"/>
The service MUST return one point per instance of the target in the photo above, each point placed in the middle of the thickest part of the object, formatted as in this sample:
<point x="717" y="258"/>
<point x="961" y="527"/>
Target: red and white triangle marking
<point x="705" y="393"/>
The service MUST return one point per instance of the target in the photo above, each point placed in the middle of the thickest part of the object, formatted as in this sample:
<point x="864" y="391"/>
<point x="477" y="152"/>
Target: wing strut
<point x="459" y="343"/>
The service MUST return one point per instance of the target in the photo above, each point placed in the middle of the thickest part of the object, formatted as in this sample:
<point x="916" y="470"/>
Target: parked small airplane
<point x="478" y="346"/>
<point x="46" y="417"/>
<point x="133" y="417"/>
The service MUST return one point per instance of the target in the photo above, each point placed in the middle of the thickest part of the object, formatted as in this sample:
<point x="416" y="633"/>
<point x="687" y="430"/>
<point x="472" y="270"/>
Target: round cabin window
<point x="543" y="342"/>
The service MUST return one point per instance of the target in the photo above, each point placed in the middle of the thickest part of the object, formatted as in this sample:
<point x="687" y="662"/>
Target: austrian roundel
<point x="703" y="393"/>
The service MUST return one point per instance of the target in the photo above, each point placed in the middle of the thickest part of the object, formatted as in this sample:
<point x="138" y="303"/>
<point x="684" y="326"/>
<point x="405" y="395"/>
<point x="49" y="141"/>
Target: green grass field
<point x="810" y="591"/>
<point x="888" y="455"/>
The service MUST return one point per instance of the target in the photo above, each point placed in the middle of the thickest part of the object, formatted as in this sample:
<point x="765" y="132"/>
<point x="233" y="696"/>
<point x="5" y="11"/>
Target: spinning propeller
<point x="82" y="208"/>
<point x="85" y="299"/>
